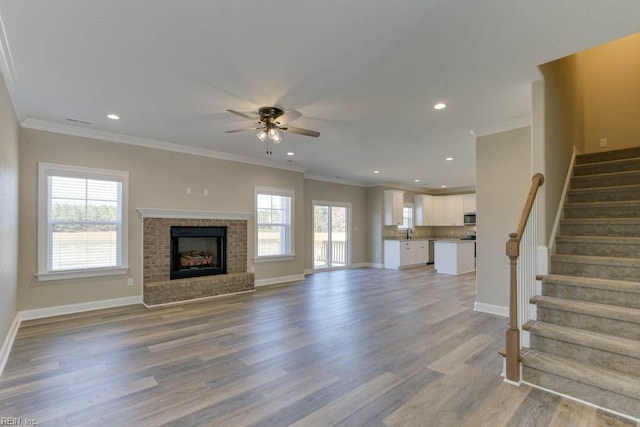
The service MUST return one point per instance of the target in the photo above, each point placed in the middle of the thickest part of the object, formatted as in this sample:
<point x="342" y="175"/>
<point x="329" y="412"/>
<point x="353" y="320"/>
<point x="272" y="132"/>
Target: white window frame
<point x="274" y="192"/>
<point x="51" y="169"/>
<point x="411" y="220"/>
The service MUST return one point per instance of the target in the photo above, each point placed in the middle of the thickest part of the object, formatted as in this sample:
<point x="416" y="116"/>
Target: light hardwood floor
<point x="362" y="347"/>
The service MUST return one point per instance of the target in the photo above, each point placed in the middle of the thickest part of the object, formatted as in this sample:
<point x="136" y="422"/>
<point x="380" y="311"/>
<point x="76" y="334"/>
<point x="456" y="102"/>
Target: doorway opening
<point x="331" y="237"/>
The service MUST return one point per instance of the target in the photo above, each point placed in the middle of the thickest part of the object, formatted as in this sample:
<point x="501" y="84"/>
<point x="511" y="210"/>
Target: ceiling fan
<point x="271" y="120"/>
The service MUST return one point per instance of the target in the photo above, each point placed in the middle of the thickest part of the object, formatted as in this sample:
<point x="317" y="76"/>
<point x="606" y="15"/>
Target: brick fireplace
<point x="158" y="287"/>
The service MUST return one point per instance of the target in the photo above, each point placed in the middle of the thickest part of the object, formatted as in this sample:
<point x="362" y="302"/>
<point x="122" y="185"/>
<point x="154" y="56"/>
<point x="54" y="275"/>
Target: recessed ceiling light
<point x="449" y="158"/>
<point x="443" y="186"/>
<point x="376" y="171"/>
<point x="416" y="180"/>
<point x="440" y="106"/>
<point x="291" y="153"/>
<point x="113" y="116"/>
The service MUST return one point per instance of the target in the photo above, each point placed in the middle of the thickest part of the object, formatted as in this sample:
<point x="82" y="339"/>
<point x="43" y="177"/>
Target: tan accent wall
<point x="375" y="209"/>
<point x="8" y="213"/>
<point x="157" y="179"/>
<point x="563" y="122"/>
<point x="503" y="178"/>
<point x="612" y="94"/>
<point x="333" y="192"/>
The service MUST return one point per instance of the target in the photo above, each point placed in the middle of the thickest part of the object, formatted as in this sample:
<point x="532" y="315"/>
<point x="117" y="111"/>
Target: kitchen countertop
<point x="419" y="239"/>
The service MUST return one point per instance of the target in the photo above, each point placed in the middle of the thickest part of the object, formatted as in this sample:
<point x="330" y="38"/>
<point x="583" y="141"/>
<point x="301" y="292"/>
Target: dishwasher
<point x="432" y="247"/>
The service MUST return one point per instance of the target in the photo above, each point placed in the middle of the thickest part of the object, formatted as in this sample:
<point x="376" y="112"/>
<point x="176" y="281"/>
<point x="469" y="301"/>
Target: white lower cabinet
<point x="405" y="253"/>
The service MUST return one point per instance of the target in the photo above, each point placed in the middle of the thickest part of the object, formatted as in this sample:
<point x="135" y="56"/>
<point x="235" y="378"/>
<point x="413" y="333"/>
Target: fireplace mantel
<point x="191" y="214"/>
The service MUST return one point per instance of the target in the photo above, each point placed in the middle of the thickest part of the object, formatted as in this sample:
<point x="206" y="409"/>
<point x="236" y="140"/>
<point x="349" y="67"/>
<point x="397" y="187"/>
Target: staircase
<point x="586" y="340"/>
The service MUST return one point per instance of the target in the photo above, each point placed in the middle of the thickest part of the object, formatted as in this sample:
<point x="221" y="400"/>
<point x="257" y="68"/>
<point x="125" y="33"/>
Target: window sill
<point x="79" y="274"/>
<point x="274" y="258"/>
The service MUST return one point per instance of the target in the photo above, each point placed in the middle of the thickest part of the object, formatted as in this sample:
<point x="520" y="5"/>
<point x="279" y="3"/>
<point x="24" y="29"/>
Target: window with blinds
<point x="83" y="223"/>
<point x="274" y="222"/>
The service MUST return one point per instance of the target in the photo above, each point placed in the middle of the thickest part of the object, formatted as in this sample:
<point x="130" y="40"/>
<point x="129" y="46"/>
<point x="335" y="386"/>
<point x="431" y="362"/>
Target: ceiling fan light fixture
<point x="262" y="135"/>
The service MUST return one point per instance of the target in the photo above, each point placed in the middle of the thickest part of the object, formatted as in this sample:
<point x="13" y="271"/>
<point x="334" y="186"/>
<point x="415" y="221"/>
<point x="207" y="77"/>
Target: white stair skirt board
<point x="8" y="342"/>
<point x="497" y="310"/>
<point x="277" y="280"/>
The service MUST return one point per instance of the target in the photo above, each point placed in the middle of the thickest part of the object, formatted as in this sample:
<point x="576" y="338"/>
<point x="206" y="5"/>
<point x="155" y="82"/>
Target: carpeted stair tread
<point x="611" y="204"/>
<point x="631" y="163"/>
<point x="604" y="156"/>
<point x="597" y="260"/>
<point x="607" y="379"/>
<point x="605" y="189"/>
<point x="586" y="338"/>
<point x="595" y="221"/>
<point x="591" y="282"/>
<point x="606" y="179"/>
<point x="623" y="314"/>
<point x="599" y="240"/>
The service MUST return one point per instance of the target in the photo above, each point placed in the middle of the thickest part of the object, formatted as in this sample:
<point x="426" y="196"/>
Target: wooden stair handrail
<point x="513" y="252"/>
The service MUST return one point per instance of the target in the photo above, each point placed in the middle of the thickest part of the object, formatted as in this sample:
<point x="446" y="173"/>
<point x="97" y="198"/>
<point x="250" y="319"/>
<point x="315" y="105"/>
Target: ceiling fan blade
<point x="246" y="116"/>
<point x="289" y="116"/>
<point x="239" y="130"/>
<point x="301" y="131"/>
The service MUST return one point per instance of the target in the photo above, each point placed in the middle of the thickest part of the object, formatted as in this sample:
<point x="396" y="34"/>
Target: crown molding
<point x="7" y="70"/>
<point x="517" y="123"/>
<point x="336" y="180"/>
<point x="149" y="143"/>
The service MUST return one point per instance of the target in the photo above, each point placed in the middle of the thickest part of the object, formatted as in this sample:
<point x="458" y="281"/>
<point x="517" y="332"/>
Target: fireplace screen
<point x="198" y="251"/>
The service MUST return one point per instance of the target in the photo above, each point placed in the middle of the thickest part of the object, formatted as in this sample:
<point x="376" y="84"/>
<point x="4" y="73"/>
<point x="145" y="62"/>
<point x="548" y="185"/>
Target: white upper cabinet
<point x="393" y="204"/>
<point x="449" y="210"/>
<point x="424" y="210"/>
<point x="469" y="202"/>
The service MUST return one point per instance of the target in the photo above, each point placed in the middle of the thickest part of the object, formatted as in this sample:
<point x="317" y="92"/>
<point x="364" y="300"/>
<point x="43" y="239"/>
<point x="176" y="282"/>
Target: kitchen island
<point x="454" y="256"/>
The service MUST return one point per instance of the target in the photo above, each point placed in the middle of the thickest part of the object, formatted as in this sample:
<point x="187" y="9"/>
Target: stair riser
<point x="595" y="249"/>
<point x="605" y="181"/>
<point x="590" y="323"/>
<point x="599" y="296"/>
<point x="611" y="230"/>
<point x="603" y="196"/>
<point x="595" y="168"/>
<point x="593" y="356"/>
<point x="614" y="272"/>
<point x="607" y="156"/>
<point x="595" y="395"/>
<point x="602" y="212"/>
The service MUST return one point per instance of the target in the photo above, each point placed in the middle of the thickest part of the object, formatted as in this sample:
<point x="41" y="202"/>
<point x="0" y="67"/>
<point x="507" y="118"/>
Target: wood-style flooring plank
<point x="358" y="347"/>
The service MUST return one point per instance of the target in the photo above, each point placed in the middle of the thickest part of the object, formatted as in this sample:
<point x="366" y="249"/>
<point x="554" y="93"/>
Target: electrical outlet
<point x="205" y="192"/>
<point x="130" y="281"/>
<point x="603" y="142"/>
<point x="188" y="191"/>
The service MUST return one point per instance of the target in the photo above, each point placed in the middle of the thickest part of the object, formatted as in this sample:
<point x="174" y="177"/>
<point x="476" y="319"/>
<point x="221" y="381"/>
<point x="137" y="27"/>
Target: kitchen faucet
<point x="409" y="230"/>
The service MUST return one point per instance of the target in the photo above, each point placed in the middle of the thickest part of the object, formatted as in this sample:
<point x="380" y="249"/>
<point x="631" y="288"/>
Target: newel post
<point x="513" y="334"/>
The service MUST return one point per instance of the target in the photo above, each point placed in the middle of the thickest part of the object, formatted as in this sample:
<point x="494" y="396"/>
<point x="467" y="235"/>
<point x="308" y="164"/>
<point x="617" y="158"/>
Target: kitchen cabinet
<point x="405" y="253"/>
<point x="449" y="210"/>
<point x="424" y="210"/>
<point x="469" y="203"/>
<point x="393" y="204"/>
<point x="454" y="257"/>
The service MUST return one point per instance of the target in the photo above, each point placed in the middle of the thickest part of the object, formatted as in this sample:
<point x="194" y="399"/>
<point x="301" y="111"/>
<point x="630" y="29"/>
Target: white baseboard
<point x="497" y="310"/>
<point x="361" y="265"/>
<point x="40" y="313"/>
<point x="8" y="342"/>
<point x="308" y="271"/>
<point x="277" y="280"/>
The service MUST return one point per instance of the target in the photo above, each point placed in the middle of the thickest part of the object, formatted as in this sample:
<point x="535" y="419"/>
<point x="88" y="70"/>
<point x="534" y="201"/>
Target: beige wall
<point x="563" y="121"/>
<point x="501" y="189"/>
<point x="612" y="94"/>
<point x="331" y="192"/>
<point x="157" y="179"/>
<point x="375" y="209"/>
<point x="8" y="213"/>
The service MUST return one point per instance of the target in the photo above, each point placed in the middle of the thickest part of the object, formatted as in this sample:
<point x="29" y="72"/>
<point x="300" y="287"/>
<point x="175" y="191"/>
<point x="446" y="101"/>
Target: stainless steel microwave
<point x="469" y="219"/>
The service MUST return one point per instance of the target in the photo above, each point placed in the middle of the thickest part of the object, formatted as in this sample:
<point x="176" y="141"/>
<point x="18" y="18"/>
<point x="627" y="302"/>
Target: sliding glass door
<point x="331" y="235"/>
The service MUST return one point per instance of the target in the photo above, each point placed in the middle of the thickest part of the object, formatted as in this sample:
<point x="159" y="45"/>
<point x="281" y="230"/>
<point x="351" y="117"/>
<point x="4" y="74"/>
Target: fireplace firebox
<point x="198" y="251"/>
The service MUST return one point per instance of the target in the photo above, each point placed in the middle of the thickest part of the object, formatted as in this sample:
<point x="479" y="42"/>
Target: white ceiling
<point x="366" y="74"/>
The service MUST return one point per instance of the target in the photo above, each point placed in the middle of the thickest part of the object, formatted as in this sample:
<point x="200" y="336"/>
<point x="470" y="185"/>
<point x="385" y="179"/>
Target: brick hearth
<point x="159" y="289"/>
